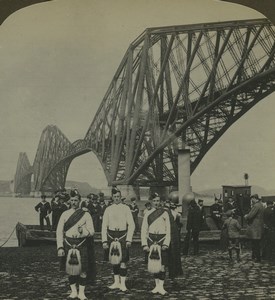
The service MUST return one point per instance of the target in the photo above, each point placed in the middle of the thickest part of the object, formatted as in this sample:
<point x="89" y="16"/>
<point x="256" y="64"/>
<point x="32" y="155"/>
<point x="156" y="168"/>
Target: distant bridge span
<point x="175" y="85"/>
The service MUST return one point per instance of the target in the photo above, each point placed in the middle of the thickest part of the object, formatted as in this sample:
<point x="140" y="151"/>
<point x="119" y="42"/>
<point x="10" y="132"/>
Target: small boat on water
<point x="32" y="235"/>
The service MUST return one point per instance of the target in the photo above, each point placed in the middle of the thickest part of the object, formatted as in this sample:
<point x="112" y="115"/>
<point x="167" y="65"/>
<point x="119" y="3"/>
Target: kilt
<point x="158" y="238"/>
<point x="83" y="249"/>
<point x="121" y="236"/>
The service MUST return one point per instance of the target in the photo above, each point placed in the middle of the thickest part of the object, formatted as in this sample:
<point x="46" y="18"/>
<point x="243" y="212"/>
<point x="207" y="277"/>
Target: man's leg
<point x="48" y="223"/>
<point x="123" y="274"/>
<point x="195" y="235"/>
<point x="155" y="290"/>
<point x="73" y="281"/>
<point x="258" y="250"/>
<point x="236" y="246"/>
<point x="253" y="249"/>
<point x="41" y="221"/>
<point x="116" y="271"/>
<point x="186" y="243"/>
<point x="161" y="277"/>
<point x="82" y="285"/>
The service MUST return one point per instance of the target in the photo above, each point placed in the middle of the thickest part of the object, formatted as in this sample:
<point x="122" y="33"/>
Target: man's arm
<point x="144" y="231"/>
<point x="131" y="225"/>
<point x="60" y="231"/>
<point x="167" y="239"/>
<point x="37" y="207"/>
<point x="49" y="210"/>
<point x="89" y="224"/>
<point x="105" y="224"/>
<point x="253" y="212"/>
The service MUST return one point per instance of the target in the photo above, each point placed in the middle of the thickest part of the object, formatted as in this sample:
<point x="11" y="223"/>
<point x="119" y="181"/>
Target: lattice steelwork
<point x="48" y="171"/>
<point x="180" y="85"/>
<point x="22" y="178"/>
<point x="53" y="158"/>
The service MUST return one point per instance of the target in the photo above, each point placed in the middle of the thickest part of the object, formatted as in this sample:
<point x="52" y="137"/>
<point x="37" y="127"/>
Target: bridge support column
<point x="184" y="182"/>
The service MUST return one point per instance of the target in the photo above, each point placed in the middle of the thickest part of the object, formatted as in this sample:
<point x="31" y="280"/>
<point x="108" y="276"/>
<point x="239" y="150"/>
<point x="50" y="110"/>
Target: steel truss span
<point x="180" y="85"/>
<point x="22" y="179"/>
<point x="53" y="158"/>
<point x="177" y="85"/>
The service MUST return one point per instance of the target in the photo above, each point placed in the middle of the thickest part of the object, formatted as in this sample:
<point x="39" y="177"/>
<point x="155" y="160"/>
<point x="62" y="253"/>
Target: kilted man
<point x="155" y="239"/>
<point x="117" y="232"/>
<point x="73" y="235"/>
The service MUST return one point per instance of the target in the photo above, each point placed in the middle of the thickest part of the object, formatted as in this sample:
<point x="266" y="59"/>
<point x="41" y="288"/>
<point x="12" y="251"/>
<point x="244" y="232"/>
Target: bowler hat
<point x="269" y="201"/>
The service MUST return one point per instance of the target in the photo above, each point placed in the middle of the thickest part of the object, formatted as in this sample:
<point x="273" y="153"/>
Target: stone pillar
<point x="184" y="177"/>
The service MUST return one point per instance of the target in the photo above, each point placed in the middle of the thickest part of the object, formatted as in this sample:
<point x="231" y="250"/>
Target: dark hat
<point x="94" y="196"/>
<point x="115" y="190"/>
<point x="154" y="195"/>
<point x="133" y="199"/>
<point x="173" y="205"/>
<point x="101" y="194"/>
<point x="193" y="203"/>
<point x="74" y="192"/>
<point x="229" y="213"/>
<point x="43" y="196"/>
<point x="65" y="196"/>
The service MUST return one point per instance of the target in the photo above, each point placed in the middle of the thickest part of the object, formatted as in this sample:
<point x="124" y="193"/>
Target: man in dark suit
<point x="101" y="209"/>
<point x="203" y="225"/>
<point x="134" y="210"/>
<point x="255" y="226"/>
<point x="193" y="228"/>
<point x="216" y="213"/>
<point x="44" y="210"/>
<point x="94" y="211"/>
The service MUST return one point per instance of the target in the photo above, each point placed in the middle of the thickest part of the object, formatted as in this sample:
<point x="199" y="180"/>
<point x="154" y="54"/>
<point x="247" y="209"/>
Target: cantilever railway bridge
<point x="175" y="85"/>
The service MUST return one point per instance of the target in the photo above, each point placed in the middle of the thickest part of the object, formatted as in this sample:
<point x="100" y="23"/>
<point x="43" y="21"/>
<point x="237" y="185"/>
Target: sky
<point x="58" y="58"/>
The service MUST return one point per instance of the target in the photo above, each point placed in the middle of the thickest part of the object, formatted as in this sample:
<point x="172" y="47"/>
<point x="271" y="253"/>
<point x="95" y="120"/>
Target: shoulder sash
<point x="73" y="219"/>
<point x="154" y="215"/>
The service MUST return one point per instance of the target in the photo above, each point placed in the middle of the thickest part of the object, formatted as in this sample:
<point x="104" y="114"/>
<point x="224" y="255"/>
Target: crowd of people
<point x="258" y="226"/>
<point x="94" y="203"/>
<point x="117" y="221"/>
